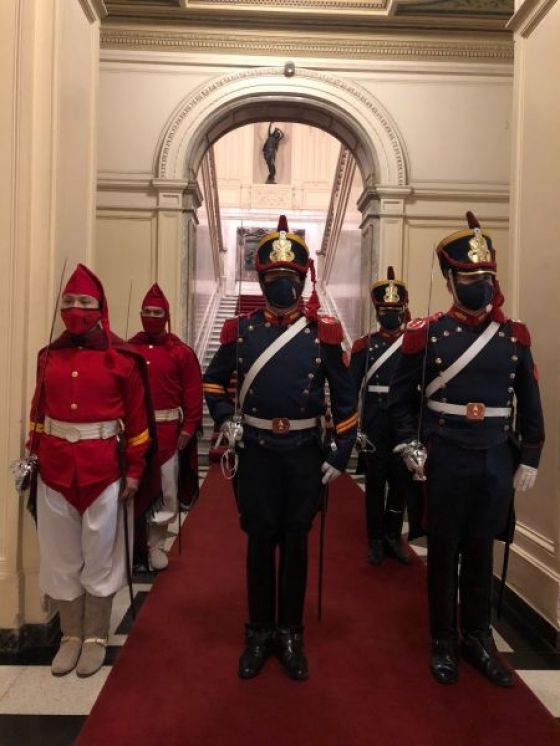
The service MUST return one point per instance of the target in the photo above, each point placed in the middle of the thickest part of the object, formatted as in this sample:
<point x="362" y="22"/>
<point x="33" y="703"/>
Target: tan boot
<point x="71" y="615"/>
<point x="97" y="615"/>
<point x="156" y="540"/>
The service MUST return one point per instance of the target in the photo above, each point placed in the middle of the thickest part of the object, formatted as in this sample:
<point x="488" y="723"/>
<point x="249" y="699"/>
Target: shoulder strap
<point x="384" y="357"/>
<point x="269" y="353"/>
<point x="463" y="360"/>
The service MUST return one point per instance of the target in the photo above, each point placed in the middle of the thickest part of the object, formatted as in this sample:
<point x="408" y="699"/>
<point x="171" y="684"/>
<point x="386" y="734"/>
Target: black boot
<point x="394" y="545"/>
<point x="479" y="649"/>
<point x="290" y="652"/>
<point x="258" y="647"/>
<point x="444" y="663"/>
<point x="376" y="554"/>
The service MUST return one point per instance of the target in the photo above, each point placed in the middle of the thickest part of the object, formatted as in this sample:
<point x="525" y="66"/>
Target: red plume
<point x="313" y="304"/>
<point x="390" y="273"/>
<point x="472" y="221"/>
<point x="283" y="224"/>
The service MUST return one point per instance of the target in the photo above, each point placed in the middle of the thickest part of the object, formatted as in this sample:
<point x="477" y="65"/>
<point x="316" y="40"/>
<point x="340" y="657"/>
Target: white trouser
<point x="169" y="486"/>
<point x="81" y="552"/>
<point x="157" y="532"/>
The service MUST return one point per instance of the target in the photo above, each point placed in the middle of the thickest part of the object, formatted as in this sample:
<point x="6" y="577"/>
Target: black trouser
<point x="387" y="481"/>
<point x="469" y="495"/>
<point x="278" y="494"/>
<point x="264" y="589"/>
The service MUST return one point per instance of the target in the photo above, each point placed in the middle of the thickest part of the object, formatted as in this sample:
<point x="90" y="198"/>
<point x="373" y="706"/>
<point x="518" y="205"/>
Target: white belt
<point x="281" y="425"/>
<point x="76" y="431"/>
<point x="472" y="411"/>
<point x="168" y="415"/>
<point x="378" y="389"/>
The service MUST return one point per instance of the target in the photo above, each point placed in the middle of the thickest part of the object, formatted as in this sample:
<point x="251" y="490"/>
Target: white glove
<point x="524" y="477"/>
<point x="329" y="473"/>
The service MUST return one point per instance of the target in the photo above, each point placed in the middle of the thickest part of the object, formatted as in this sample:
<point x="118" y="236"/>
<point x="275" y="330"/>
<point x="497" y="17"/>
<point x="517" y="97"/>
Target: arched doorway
<point x="343" y="109"/>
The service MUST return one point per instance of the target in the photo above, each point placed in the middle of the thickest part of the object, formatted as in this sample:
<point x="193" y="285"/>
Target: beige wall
<point x="534" y="281"/>
<point x="48" y="74"/>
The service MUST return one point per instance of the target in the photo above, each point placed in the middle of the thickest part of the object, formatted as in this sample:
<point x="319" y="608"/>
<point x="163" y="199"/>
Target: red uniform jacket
<point x="84" y="384"/>
<point x="175" y="381"/>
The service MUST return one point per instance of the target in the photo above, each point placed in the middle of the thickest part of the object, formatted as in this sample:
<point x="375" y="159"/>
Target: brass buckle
<point x="280" y="425"/>
<point x="475" y="411"/>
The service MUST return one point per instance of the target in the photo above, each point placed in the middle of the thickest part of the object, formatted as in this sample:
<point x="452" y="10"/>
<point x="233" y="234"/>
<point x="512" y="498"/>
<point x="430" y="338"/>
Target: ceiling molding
<point x="528" y="16"/>
<point x="303" y="45"/>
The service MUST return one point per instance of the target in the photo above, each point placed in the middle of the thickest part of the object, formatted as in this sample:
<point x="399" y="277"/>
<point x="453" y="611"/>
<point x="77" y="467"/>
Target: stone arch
<point x="340" y="107"/>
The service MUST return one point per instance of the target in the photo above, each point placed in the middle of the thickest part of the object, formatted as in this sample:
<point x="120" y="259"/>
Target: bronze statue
<point x="270" y="148"/>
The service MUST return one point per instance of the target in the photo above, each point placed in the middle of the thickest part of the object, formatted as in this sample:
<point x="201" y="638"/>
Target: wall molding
<point x="528" y="16"/>
<point x="302" y="45"/>
<point x="94" y="10"/>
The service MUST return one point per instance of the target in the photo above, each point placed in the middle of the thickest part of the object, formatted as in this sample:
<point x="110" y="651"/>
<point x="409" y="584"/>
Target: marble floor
<point x="37" y="708"/>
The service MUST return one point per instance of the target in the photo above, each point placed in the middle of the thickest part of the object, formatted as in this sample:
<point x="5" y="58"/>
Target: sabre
<point x="324" y="506"/>
<point x="24" y="470"/>
<point x="125" y="507"/>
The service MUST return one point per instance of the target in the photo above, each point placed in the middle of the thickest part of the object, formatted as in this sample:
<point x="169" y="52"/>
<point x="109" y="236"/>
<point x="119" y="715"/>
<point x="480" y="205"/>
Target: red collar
<point x="468" y="319"/>
<point x="284" y="320"/>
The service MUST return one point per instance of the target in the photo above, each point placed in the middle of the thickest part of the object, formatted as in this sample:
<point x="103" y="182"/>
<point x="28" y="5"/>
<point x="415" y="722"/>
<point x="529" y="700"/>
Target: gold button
<point x="240" y="359"/>
<point x="311" y="375"/>
<point x="433" y="339"/>
<point x="446" y="333"/>
<point x="510" y="389"/>
<point x="150" y="347"/>
<point x="250" y="327"/>
<point x="316" y="340"/>
<point x="307" y="330"/>
<point x="74" y="374"/>
<point x="267" y="324"/>
<point x="438" y="361"/>
<point x="459" y="329"/>
<point x="148" y="362"/>
<point x="441" y="422"/>
<point x="512" y="375"/>
<point x="317" y="360"/>
<point x="514" y="339"/>
<point x="73" y="405"/>
<point x="240" y="339"/>
<point x="501" y="334"/>
<point x="376" y="346"/>
<point x="80" y="348"/>
<point x="506" y="427"/>
<point x="514" y="358"/>
<point x="306" y="391"/>
<point x="251" y="391"/>
<point x="370" y="349"/>
<point x="254" y="409"/>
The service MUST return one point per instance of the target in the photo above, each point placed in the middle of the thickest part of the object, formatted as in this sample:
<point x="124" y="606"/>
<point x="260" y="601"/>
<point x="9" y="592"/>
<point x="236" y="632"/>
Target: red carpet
<point x="175" y="682"/>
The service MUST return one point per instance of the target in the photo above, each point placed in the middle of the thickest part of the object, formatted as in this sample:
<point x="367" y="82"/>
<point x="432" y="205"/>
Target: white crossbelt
<point x="76" y="431"/>
<point x="461" y="409"/>
<point x="463" y="360"/>
<point x="268" y="354"/>
<point x="378" y="389"/>
<point x="287" y="426"/>
<point x="168" y="415"/>
<point x="384" y="357"/>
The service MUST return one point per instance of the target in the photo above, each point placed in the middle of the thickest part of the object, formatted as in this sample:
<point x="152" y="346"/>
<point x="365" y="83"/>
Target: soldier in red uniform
<point x="91" y="394"/>
<point x="176" y="384"/>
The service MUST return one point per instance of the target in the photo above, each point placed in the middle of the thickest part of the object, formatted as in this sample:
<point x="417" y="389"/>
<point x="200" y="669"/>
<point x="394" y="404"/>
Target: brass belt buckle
<point x="280" y="425"/>
<point x="475" y="411"/>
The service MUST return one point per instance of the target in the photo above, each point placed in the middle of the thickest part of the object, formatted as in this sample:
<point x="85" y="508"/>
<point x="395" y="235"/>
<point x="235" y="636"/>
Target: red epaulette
<point x="360" y="344"/>
<point x="229" y="330"/>
<point x="329" y="330"/>
<point x="416" y="334"/>
<point x="521" y="333"/>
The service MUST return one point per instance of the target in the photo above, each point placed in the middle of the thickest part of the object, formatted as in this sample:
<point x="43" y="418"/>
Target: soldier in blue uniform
<point x="282" y="355"/>
<point x="474" y="366"/>
<point x="388" y="481"/>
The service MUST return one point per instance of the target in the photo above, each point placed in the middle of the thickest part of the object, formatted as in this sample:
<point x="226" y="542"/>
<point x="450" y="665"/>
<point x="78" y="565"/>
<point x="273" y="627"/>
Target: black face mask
<point x="282" y="292"/>
<point x="391" y="320"/>
<point x="475" y="296"/>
